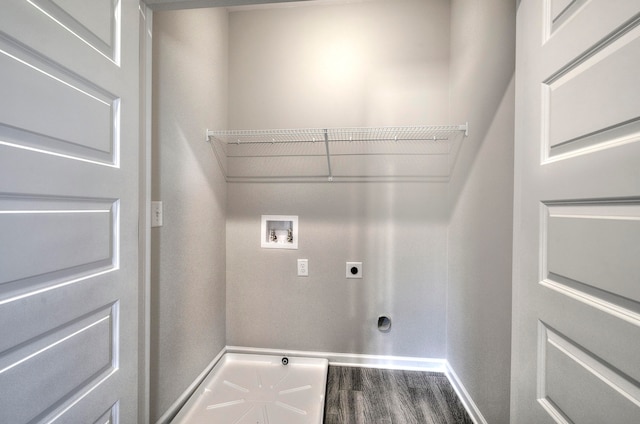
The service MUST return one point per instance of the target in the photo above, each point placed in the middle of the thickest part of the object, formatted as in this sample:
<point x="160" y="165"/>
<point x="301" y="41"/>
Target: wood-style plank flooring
<point x="377" y="396"/>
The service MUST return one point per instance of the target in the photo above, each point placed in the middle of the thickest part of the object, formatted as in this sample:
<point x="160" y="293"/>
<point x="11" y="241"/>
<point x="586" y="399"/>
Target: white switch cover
<point x="303" y="267"/>
<point x="354" y="269"/>
<point x="156" y="214"/>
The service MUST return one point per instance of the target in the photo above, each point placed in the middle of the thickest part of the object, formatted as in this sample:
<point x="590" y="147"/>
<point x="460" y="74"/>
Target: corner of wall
<point x="188" y="266"/>
<point x="464" y="396"/>
<point x="480" y="206"/>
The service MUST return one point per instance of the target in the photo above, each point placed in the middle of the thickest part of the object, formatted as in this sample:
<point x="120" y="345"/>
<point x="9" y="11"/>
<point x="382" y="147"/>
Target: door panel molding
<point x="33" y="365"/>
<point x="620" y="303"/>
<point x="109" y="417"/>
<point x="98" y="25"/>
<point x="60" y="112"/>
<point x="558" y="358"/>
<point x="617" y="306"/>
<point x="557" y="13"/>
<point x="590" y="104"/>
<point x="55" y="223"/>
<point x="595" y="244"/>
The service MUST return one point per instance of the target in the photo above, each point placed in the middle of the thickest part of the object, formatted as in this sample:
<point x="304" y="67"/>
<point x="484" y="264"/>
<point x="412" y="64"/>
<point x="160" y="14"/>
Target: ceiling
<point x="192" y="4"/>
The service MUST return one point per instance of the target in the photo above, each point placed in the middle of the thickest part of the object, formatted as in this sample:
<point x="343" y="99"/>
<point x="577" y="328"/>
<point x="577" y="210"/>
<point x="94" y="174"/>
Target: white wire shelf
<point x="337" y="154"/>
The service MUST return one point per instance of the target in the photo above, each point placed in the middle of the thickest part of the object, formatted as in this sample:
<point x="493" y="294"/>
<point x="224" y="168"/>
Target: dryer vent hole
<point x="384" y="324"/>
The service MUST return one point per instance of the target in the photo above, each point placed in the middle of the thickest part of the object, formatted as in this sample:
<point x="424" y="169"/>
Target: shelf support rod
<point x="209" y="138"/>
<point x="326" y="144"/>
<point x="208" y="134"/>
<point x="465" y="128"/>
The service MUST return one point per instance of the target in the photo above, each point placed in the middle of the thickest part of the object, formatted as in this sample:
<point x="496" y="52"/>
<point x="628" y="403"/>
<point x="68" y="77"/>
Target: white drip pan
<point x="259" y="389"/>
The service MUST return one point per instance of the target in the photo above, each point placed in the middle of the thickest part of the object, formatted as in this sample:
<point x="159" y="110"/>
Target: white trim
<point x="463" y="395"/>
<point x="355" y="360"/>
<point x="144" y="213"/>
<point x="184" y="397"/>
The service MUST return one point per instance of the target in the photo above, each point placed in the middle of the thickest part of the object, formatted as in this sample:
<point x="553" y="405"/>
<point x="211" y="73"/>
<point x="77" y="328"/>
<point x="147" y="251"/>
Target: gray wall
<point x="373" y="63"/>
<point x="369" y="63"/>
<point x="481" y="199"/>
<point x="188" y="252"/>
<point x="397" y="230"/>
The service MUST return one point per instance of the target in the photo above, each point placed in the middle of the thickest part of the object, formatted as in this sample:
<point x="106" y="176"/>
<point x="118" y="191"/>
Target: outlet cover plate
<point x="354" y="270"/>
<point x="303" y="267"/>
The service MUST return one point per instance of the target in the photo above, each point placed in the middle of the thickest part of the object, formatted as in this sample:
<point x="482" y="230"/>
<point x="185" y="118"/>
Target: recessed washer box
<point x="354" y="269"/>
<point x="279" y="232"/>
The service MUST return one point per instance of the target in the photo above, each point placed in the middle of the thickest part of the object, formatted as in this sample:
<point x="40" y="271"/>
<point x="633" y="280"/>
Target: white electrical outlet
<point x="303" y="267"/>
<point x="156" y="214"/>
<point x="354" y="269"/>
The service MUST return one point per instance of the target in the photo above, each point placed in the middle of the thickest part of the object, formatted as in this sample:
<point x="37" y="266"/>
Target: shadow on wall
<point x="482" y="67"/>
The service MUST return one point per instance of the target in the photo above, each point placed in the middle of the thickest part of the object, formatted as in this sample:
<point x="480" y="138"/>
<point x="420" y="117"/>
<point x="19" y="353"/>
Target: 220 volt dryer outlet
<point x="354" y="269"/>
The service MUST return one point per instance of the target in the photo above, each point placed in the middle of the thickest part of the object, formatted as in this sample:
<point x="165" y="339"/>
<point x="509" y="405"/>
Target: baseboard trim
<point x="184" y="397"/>
<point x="463" y="395"/>
<point x="354" y="360"/>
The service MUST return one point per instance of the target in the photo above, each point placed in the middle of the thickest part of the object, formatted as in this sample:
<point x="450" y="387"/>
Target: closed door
<point x="68" y="211"/>
<point x="576" y="312"/>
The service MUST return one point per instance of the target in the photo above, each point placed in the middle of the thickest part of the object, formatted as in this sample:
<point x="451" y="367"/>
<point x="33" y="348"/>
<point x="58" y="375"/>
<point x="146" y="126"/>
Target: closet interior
<point x="386" y="128"/>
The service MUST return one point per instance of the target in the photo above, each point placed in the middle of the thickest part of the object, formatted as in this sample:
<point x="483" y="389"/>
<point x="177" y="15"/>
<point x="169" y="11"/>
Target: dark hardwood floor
<point x="376" y="396"/>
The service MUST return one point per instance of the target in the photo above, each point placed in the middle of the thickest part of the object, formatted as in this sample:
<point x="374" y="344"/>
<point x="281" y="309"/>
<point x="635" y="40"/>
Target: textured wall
<point x="188" y="252"/>
<point x="481" y="203"/>
<point x="397" y="230"/>
<point x="372" y="63"/>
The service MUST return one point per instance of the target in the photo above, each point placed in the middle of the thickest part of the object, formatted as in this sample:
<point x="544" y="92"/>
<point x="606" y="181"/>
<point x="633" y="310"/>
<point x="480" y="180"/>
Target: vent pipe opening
<point x="384" y="324"/>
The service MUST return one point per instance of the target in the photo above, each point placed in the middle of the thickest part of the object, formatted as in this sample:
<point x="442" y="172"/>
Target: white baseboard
<point x="465" y="398"/>
<point x="184" y="397"/>
<point x="354" y="360"/>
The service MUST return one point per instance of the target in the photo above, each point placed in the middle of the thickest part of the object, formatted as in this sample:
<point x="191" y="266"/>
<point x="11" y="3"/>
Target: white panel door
<point x="576" y="313"/>
<point x="68" y="211"/>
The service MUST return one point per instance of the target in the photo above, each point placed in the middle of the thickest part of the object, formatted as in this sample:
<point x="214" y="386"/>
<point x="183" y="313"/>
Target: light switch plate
<point x="156" y="214"/>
